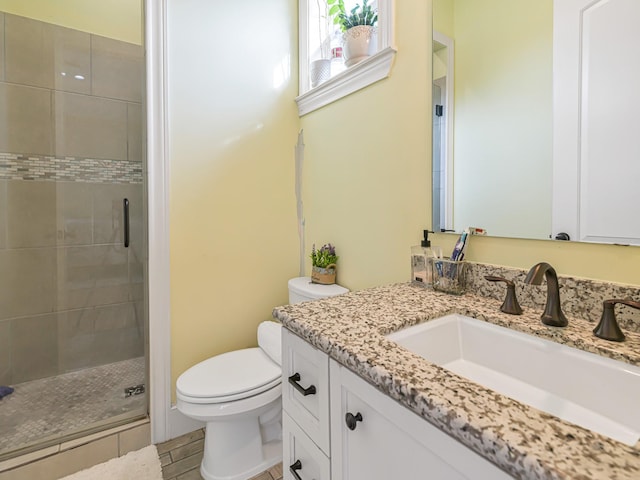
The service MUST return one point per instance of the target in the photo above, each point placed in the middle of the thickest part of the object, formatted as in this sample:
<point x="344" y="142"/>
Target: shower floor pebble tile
<point x="51" y="408"/>
<point x="180" y="459"/>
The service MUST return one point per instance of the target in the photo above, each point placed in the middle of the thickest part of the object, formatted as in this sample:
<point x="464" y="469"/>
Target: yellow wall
<point x="367" y="169"/>
<point x="233" y="125"/>
<point x="443" y="17"/>
<point x="119" y="19"/>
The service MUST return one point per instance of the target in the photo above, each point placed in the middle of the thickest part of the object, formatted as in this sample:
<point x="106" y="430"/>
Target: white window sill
<point x="361" y="75"/>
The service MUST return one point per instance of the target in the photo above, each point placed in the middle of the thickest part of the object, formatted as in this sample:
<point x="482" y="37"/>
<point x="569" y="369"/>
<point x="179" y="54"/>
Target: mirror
<point x="494" y="112"/>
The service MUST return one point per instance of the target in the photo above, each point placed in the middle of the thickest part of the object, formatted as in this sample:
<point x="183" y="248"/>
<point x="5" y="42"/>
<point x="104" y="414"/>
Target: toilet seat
<point x="227" y="377"/>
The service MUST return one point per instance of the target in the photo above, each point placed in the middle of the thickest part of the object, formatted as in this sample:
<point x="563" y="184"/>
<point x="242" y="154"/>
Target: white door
<point x="596" y="184"/>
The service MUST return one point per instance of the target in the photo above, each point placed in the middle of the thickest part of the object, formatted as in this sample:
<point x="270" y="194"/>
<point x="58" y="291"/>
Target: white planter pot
<point x="319" y="71"/>
<point x="360" y="42"/>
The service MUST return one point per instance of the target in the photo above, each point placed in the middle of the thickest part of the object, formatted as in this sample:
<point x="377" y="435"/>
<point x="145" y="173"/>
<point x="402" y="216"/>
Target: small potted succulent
<point x="359" y="27"/>
<point x="324" y="264"/>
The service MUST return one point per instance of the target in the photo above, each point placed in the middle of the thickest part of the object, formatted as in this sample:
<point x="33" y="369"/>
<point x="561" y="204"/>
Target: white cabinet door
<point x="596" y="100"/>
<point x="391" y="442"/>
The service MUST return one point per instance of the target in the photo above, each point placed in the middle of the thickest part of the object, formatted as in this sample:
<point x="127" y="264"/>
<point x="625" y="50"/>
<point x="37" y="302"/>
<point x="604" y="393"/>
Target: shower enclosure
<point x="73" y="244"/>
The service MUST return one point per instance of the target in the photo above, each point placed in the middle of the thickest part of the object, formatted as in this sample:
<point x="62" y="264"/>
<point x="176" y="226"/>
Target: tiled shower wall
<point x="71" y="294"/>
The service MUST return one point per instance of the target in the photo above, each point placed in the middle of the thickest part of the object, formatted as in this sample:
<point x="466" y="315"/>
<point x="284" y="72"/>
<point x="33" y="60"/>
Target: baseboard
<point x="180" y="424"/>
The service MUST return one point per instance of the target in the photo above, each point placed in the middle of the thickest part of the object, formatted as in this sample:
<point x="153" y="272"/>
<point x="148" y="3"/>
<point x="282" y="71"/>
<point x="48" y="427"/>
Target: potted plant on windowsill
<point x="320" y="68"/>
<point x="323" y="263"/>
<point x="359" y="27"/>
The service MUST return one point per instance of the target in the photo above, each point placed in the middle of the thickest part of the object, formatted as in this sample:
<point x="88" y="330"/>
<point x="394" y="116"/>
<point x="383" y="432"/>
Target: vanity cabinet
<point x="372" y="437"/>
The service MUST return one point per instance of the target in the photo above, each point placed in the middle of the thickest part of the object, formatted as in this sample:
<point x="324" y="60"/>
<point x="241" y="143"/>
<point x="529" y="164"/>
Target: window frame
<point x="361" y="75"/>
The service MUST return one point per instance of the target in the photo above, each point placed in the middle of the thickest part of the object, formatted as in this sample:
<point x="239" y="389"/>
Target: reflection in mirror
<point x="499" y="162"/>
<point x="502" y="144"/>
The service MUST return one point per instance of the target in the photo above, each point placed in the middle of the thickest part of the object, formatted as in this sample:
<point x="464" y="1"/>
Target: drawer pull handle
<point x="352" y="420"/>
<point x="294" y="379"/>
<point x="296" y="466"/>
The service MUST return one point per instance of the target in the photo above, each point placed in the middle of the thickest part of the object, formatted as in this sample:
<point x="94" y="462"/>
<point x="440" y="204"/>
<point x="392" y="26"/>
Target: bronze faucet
<point x="510" y="304"/>
<point x="608" y="328"/>
<point x="552" y="314"/>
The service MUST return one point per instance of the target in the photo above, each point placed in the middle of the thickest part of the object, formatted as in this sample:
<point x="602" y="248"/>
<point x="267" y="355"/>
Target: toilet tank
<point x="301" y="289"/>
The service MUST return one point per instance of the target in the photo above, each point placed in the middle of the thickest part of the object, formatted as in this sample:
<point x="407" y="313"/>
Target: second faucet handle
<point x="608" y="328"/>
<point x="510" y="304"/>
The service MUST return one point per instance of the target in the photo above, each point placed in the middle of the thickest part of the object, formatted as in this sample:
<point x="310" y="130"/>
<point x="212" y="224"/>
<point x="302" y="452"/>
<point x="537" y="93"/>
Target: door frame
<point x="158" y="176"/>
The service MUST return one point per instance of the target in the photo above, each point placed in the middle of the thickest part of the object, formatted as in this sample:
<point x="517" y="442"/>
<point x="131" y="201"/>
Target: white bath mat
<point x="142" y="464"/>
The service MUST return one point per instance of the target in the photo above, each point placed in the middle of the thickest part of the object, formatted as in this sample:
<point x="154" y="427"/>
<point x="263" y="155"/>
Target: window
<point x="324" y="77"/>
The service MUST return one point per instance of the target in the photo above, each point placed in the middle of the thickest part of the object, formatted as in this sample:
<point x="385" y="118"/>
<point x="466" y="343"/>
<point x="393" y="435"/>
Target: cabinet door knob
<point x="294" y="379"/>
<point x="296" y="466"/>
<point x="352" y="420"/>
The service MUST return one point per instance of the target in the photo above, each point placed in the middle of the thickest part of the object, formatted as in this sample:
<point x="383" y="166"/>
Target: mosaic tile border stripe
<point x="68" y="169"/>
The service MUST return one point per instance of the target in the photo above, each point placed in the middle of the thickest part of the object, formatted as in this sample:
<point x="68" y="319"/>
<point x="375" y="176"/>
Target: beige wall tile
<point x="134" y="132"/>
<point x="92" y="275"/>
<point x="31" y="214"/>
<point x="117" y="69"/>
<point x="76" y="339"/>
<point x="1" y="46"/>
<point x="28" y="52"/>
<point x="25" y="125"/>
<point x="108" y="214"/>
<point x="6" y="377"/>
<point x="67" y="462"/>
<point x="34" y="347"/>
<point x="74" y="213"/>
<point x="48" y="56"/>
<point x="134" y="439"/>
<point x="3" y="213"/>
<point x="112" y="346"/>
<point x="72" y="60"/>
<point x="31" y="291"/>
<point x="90" y="127"/>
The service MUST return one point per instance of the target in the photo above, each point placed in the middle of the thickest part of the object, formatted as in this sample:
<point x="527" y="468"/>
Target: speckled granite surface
<point x="523" y="441"/>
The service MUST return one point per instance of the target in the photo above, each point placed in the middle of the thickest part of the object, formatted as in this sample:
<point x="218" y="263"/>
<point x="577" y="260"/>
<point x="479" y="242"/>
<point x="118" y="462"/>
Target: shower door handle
<point x="125" y="208"/>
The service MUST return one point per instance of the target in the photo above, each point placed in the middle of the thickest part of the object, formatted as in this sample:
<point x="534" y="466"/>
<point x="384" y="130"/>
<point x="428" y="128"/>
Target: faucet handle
<point x="510" y="304"/>
<point x="608" y="328"/>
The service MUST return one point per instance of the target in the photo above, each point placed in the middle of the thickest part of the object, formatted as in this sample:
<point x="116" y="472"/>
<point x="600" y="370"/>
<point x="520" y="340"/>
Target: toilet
<point x="238" y="395"/>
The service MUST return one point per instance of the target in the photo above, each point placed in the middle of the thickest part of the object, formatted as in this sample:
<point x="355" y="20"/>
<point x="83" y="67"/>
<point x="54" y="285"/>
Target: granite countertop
<point x="521" y="440"/>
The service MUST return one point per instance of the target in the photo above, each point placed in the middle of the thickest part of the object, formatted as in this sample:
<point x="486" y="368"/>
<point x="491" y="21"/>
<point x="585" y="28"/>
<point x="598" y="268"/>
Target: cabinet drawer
<point x="301" y="455"/>
<point x="305" y="387"/>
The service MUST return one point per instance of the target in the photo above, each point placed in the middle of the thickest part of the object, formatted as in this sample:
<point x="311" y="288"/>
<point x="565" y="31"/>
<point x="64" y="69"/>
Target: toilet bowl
<point x="238" y="395"/>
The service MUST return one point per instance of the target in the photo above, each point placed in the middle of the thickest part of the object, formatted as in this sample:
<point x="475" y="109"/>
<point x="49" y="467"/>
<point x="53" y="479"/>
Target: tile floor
<point x="181" y="457"/>
<point x="51" y="408"/>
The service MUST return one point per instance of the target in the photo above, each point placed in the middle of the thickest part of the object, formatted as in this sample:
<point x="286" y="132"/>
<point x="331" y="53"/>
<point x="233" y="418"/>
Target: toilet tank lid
<point x="303" y="286"/>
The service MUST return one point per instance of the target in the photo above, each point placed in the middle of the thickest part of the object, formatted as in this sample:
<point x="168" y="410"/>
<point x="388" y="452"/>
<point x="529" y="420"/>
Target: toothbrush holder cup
<point x="449" y="276"/>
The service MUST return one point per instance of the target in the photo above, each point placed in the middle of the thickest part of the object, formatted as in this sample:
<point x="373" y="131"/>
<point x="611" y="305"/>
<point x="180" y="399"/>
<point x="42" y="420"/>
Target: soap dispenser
<point x="422" y="256"/>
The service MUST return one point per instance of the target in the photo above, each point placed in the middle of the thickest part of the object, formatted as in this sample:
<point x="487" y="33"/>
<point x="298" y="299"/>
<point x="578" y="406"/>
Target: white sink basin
<point x="595" y="392"/>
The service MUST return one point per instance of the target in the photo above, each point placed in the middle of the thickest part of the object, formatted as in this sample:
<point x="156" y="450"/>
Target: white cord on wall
<point x="299" y="154"/>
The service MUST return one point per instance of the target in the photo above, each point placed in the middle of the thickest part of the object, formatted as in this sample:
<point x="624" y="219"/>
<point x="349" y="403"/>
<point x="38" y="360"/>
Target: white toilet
<point x="238" y="394"/>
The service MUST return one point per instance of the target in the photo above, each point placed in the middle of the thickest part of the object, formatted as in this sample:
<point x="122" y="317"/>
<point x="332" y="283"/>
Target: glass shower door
<point x="72" y="230"/>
